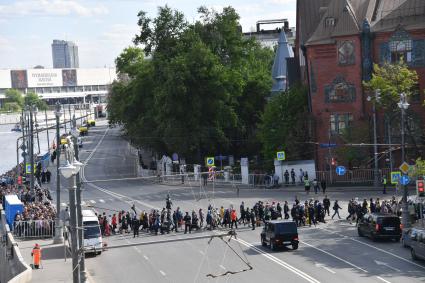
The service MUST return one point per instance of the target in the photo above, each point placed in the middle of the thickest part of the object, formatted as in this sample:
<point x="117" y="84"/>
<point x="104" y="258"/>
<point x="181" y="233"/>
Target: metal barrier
<point x="358" y="176"/>
<point x="34" y="229"/>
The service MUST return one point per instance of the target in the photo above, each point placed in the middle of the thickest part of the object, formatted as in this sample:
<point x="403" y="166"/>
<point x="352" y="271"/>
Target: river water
<point x="8" y="146"/>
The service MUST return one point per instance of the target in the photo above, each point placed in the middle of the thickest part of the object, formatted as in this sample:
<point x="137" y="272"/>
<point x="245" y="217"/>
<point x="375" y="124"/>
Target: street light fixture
<point x="404" y="105"/>
<point x="69" y="171"/>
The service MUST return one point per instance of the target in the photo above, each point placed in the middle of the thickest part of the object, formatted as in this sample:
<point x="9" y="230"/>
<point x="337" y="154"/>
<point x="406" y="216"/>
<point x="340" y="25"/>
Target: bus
<point x="92" y="236"/>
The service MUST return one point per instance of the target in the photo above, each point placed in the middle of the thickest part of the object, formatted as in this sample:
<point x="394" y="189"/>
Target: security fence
<point x="357" y="176"/>
<point x="34" y="229"/>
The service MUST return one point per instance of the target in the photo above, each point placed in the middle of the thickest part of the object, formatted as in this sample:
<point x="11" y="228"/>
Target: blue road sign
<point x="404" y="180"/>
<point x="340" y="170"/>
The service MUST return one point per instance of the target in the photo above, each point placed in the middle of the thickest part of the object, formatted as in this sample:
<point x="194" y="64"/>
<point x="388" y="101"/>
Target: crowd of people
<point x="304" y="213"/>
<point x="38" y="211"/>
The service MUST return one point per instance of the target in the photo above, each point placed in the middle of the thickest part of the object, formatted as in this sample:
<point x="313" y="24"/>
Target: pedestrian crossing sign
<point x="395" y="177"/>
<point x="281" y="155"/>
<point x="210" y="161"/>
<point x="28" y="168"/>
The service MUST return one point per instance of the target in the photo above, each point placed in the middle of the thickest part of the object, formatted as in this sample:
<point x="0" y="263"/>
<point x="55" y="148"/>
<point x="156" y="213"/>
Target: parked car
<point x="407" y="236"/>
<point x="417" y="243"/>
<point x="380" y="226"/>
<point x="280" y="233"/>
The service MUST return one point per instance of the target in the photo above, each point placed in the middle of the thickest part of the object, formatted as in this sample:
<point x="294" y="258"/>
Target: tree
<point x="356" y="133"/>
<point x="32" y="98"/>
<point x="391" y="80"/>
<point x="201" y="92"/>
<point x="14" y="99"/>
<point x="285" y="125"/>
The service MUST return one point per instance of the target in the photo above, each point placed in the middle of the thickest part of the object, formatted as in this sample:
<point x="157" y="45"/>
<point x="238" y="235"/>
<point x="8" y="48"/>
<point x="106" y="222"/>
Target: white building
<point x="69" y="86"/>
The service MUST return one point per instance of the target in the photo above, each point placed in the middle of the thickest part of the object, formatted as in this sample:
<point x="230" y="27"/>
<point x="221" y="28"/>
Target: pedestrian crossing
<point x="151" y="197"/>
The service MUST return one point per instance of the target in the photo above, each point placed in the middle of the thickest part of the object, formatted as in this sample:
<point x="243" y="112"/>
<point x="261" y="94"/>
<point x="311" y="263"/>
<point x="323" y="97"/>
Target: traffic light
<point x="420" y="188"/>
<point x="333" y="161"/>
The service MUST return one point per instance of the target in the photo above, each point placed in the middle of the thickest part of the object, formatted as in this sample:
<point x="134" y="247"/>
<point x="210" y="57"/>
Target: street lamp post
<point x="31" y="149"/>
<point x="75" y="133"/>
<point x="58" y="227"/>
<point x="403" y="105"/>
<point x="69" y="171"/>
<point x="375" y="140"/>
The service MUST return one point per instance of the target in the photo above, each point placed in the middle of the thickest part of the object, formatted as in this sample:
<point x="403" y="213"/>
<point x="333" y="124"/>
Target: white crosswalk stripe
<point x="92" y="201"/>
<point x="101" y="200"/>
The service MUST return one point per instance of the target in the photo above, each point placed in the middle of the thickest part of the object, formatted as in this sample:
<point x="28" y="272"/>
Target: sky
<point x="102" y="28"/>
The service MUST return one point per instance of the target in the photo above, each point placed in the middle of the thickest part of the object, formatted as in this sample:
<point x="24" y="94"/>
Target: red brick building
<point x="336" y="45"/>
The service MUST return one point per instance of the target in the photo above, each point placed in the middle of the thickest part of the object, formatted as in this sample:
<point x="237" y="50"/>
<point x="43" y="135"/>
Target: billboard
<point x="5" y="81"/>
<point x="19" y="78"/>
<point x="103" y="76"/>
<point x="44" y="77"/>
<point x="69" y="77"/>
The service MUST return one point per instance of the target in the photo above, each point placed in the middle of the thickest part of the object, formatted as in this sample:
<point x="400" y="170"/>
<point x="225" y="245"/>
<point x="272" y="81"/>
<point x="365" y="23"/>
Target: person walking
<point x="286" y="210"/>
<point x="252" y="217"/>
<point x="187" y="223"/>
<point x="384" y="184"/>
<point x="323" y="185"/>
<point x="336" y="208"/>
<point x="307" y="185"/>
<point x="316" y="186"/>
<point x="136" y="226"/>
<point x="326" y="204"/>
<point x="293" y="176"/>
<point x="36" y="255"/>
<point x="234" y="219"/>
<point x="286" y="175"/>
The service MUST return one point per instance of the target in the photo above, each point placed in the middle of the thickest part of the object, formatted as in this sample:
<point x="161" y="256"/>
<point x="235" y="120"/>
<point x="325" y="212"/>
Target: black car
<point x="380" y="226"/>
<point x="280" y="233"/>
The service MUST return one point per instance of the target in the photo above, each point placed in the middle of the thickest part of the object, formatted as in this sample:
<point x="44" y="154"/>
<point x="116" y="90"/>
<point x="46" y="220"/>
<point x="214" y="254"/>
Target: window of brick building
<point x="340" y="91"/>
<point x="346" y="55"/>
<point x="339" y="122"/>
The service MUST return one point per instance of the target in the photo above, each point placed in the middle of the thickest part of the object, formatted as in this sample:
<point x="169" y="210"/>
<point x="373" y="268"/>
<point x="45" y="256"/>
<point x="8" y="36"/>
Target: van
<point x="92" y="242"/>
<point x="417" y="244"/>
<point x="380" y="226"/>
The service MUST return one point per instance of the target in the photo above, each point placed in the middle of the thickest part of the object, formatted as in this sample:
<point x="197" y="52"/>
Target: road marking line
<point x="63" y="204"/>
<point x="201" y="252"/>
<point x="162" y="272"/>
<point x="222" y="267"/>
<point x="279" y="262"/>
<point x="101" y="200"/>
<point x="145" y="257"/>
<point x="381" y="250"/>
<point x="330" y="270"/>
<point x="334" y="256"/>
<point x="382" y="279"/>
<point x="92" y="201"/>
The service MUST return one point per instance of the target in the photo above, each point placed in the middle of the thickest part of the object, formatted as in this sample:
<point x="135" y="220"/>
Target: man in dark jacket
<point x="187" y="223"/>
<point x="326" y="204"/>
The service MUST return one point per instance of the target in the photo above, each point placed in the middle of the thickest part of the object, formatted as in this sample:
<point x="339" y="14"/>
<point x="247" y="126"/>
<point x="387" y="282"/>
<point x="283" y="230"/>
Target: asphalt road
<point x="330" y="252"/>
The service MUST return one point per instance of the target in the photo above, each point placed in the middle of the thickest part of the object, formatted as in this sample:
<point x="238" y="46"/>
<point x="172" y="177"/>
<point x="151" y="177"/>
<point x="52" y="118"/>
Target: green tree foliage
<point x="201" y="92"/>
<point x="14" y="100"/>
<point x="391" y="80"/>
<point x="354" y="156"/>
<point x="32" y="98"/>
<point x="285" y="125"/>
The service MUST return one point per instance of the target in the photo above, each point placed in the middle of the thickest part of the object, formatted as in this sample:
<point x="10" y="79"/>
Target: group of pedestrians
<point x="167" y="220"/>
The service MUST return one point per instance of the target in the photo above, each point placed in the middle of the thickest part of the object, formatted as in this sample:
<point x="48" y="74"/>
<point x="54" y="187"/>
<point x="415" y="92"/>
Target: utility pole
<point x="32" y="153"/>
<point x="47" y="130"/>
<point x="74" y="240"/>
<point x="75" y="134"/>
<point x="403" y="105"/>
<point x="59" y="232"/>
